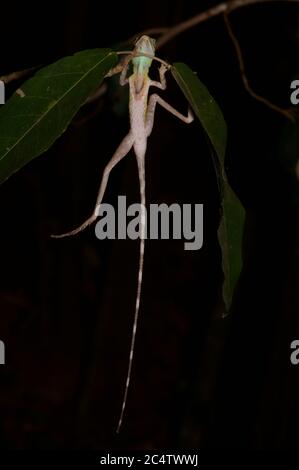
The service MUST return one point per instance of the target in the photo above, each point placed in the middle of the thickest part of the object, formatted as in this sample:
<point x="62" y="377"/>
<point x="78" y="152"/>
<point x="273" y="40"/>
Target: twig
<point x="17" y="75"/>
<point x="212" y="12"/>
<point x="147" y="32"/>
<point x="288" y="113"/>
<point x="100" y="91"/>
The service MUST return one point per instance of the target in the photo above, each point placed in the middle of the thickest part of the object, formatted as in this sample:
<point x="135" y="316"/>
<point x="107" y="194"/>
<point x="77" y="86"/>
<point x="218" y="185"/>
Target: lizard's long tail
<point x="141" y="174"/>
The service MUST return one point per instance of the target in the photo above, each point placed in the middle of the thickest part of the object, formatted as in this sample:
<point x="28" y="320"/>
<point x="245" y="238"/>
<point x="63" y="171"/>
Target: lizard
<point x="142" y="112"/>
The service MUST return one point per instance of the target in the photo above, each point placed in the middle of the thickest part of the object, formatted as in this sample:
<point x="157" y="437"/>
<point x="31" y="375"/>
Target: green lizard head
<point x="145" y="45"/>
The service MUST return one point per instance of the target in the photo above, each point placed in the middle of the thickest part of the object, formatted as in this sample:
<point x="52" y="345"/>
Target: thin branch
<point x="100" y="91"/>
<point x="17" y="75"/>
<point x="211" y="13"/>
<point x="147" y="32"/>
<point x="288" y="113"/>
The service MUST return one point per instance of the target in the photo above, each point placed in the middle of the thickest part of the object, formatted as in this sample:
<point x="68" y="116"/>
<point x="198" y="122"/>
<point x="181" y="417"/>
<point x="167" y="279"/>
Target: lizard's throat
<point x="139" y="82"/>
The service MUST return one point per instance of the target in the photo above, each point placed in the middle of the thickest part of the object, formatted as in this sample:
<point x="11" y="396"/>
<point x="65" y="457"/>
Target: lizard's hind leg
<point x="122" y="150"/>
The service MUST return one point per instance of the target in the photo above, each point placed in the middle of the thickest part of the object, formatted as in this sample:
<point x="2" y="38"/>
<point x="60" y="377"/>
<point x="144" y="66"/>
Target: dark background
<point x="66" y="306"/>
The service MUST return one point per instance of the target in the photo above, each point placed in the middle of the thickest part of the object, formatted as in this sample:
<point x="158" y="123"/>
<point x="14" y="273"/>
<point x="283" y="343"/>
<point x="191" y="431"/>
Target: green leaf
<point x="32" y="120"/>
<point x="230" y="230"/>
<point x="204" y="106"/>
<point x="230" y="235"/>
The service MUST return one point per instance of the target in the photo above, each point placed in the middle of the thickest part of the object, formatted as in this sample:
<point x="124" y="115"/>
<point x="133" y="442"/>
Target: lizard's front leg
<point x="123" y="80"/>
<point x="150" y="115"/>
<point x="122" y="150"/>
<point x="162" y="84"/>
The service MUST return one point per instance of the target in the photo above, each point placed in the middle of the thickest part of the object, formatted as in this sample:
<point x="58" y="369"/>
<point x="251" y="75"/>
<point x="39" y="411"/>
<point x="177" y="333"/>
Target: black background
<point x="66" y="306"/>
